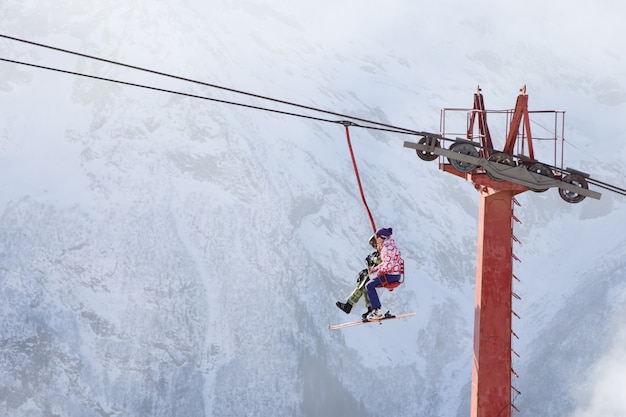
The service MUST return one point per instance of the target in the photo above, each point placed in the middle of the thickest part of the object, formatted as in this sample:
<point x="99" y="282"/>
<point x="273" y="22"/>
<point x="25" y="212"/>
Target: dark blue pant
<point x="378" y="282"/>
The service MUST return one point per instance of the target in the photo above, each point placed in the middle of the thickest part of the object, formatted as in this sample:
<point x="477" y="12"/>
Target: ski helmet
<point x="372" y="241"/>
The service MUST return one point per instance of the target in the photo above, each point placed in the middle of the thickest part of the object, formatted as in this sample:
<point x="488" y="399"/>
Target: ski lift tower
<point x="498" y="176"/>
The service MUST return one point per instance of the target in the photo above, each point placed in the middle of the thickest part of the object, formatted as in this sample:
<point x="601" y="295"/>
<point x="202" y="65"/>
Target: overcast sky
<point x="449" y="44"/>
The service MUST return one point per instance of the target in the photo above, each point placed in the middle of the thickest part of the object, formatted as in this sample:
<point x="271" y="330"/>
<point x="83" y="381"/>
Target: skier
<point x="389" y="270"/>
<point x="372" y="260"/>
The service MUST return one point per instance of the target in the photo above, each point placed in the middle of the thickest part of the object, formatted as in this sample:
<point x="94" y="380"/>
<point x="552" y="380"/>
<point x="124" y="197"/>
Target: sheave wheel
<point x="464" y="149"/>
<point x="428" y="156"/>
<point x="570" y="196"/>
<point x="541" y="169"/>
<point x="501" y="158"/>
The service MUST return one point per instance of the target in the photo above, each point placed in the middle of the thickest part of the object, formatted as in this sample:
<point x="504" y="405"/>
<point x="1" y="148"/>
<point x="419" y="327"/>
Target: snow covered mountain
<point x="162" y="255"/>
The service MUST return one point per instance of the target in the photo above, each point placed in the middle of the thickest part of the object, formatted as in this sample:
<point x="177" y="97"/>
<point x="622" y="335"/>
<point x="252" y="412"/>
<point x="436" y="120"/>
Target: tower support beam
<point x="491" y="369"/>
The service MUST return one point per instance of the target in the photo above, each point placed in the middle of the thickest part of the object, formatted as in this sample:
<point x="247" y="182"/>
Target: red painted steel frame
<point x="491" y="367"/>
<point x="492" y="364"/>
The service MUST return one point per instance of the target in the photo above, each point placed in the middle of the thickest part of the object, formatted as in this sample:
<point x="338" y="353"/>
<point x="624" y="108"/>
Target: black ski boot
<point x="345" y="307"/>
<point x="364" y="315"/>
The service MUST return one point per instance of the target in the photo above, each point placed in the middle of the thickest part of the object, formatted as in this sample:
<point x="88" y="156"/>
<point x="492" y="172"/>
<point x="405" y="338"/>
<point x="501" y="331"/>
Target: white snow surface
<point x="162" y="255"/>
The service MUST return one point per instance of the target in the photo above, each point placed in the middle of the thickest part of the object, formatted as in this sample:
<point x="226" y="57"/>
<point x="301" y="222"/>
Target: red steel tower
<point x="498" y="176"/>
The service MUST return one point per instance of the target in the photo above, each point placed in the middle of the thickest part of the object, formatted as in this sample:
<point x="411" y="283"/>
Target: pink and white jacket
<point x="391" y="259"/>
